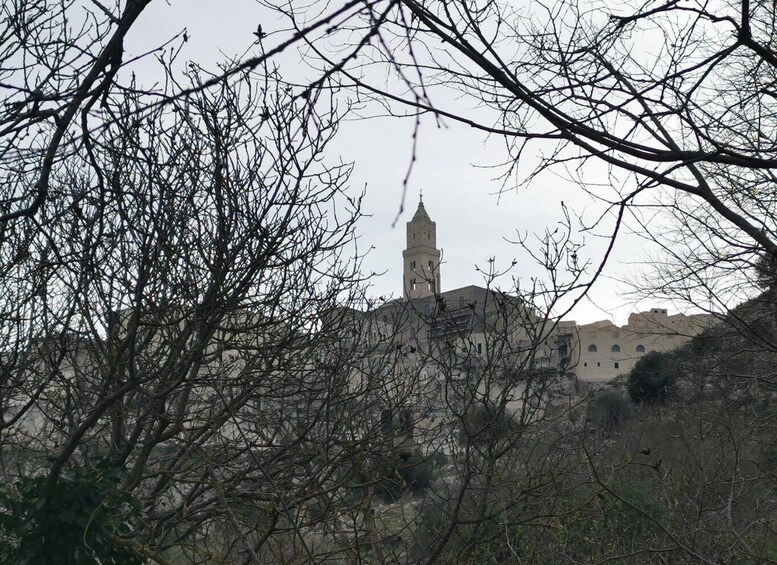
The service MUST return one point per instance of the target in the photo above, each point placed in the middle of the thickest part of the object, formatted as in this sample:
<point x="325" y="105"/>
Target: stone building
<point x="603" y="351"/>
<point x="483" y="323"/>
<point x="474" y="321"/>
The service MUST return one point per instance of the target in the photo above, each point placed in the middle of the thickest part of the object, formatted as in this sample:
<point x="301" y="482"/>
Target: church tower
<point x="421" y="258"/>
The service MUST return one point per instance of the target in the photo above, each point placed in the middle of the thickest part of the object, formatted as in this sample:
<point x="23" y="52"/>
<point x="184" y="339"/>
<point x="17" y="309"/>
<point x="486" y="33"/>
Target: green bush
<point x="653" y="379"/>
<point x="408" y="473"/>
<point x="70" y="523"/>
<point x="636" y="510"/>
<point x="486" y="423"/>
<point x="608" y="410"/>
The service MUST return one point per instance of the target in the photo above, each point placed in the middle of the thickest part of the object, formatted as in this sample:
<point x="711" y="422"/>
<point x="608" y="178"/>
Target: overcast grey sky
<point x="474" y="223"/>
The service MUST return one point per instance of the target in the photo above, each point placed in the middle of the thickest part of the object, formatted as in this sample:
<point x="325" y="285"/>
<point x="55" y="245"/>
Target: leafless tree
<point x="675" y="100"/>
<point x="166" y="313"/>
<point x="672" y="101"/>
<point x="181" y="315"/>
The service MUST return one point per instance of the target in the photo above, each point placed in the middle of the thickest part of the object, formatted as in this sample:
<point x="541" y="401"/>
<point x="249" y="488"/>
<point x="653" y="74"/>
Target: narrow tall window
<point x="406" y="423"/>
<point x="385" y="420"/>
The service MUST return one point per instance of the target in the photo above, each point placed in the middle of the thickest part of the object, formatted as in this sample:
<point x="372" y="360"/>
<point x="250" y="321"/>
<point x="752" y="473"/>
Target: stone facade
<point x="477" y="318"/>
<point x="602" y="351"/>
<point x="421" y="258"/>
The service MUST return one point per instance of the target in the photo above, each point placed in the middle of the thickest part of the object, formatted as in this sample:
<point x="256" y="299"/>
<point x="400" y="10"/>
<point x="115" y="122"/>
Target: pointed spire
<point x="420" y="213"/>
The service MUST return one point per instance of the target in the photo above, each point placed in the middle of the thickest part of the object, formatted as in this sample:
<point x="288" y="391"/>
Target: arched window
<point x="385" y="420"/>
<point x="592" y="348"/>
<point x="615" y="348"/>
<point x="640" y="349"/>
<point x="406" y="423"/>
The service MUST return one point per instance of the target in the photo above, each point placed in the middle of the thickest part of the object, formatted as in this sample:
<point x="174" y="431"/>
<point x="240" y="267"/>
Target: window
<point x="617" y="366"/>
<point x="385" y="420"/>
<point x="405" y="423"/>
<point x="480" y="348"/>
<point x="615" y="348"/>
<point x="640" y="348"/>
<point x="427" y="309"/>
<point x="461" y="302"/>
<point x="430" y="266"/>
<point x="585" y="364"/>
<point x="412" y="284"/>
<point x="598" y="364"/>
<point x="592" y="348"/>
<point x="412" y="332"/>
<point x="412" y="264"/>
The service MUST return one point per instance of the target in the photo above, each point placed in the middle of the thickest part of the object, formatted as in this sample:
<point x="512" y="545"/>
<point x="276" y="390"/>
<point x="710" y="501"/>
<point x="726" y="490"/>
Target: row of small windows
<point x="617" y="365"/>
<point x="615" y="348"/>
<point x="413" y="265"/>
<point x="415" y="285"/>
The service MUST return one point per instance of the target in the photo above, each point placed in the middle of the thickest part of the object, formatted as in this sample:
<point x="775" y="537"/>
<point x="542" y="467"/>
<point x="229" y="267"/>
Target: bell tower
<point x="421" y="257"/>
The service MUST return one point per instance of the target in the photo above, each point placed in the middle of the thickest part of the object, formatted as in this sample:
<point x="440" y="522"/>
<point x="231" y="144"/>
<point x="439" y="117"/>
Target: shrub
<point x="76" y="523"/>
<point x="410" y="472"/>
<point x="653" y="379"/>
<point x="608" y="410"/>
<point x="485" y="423"/>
